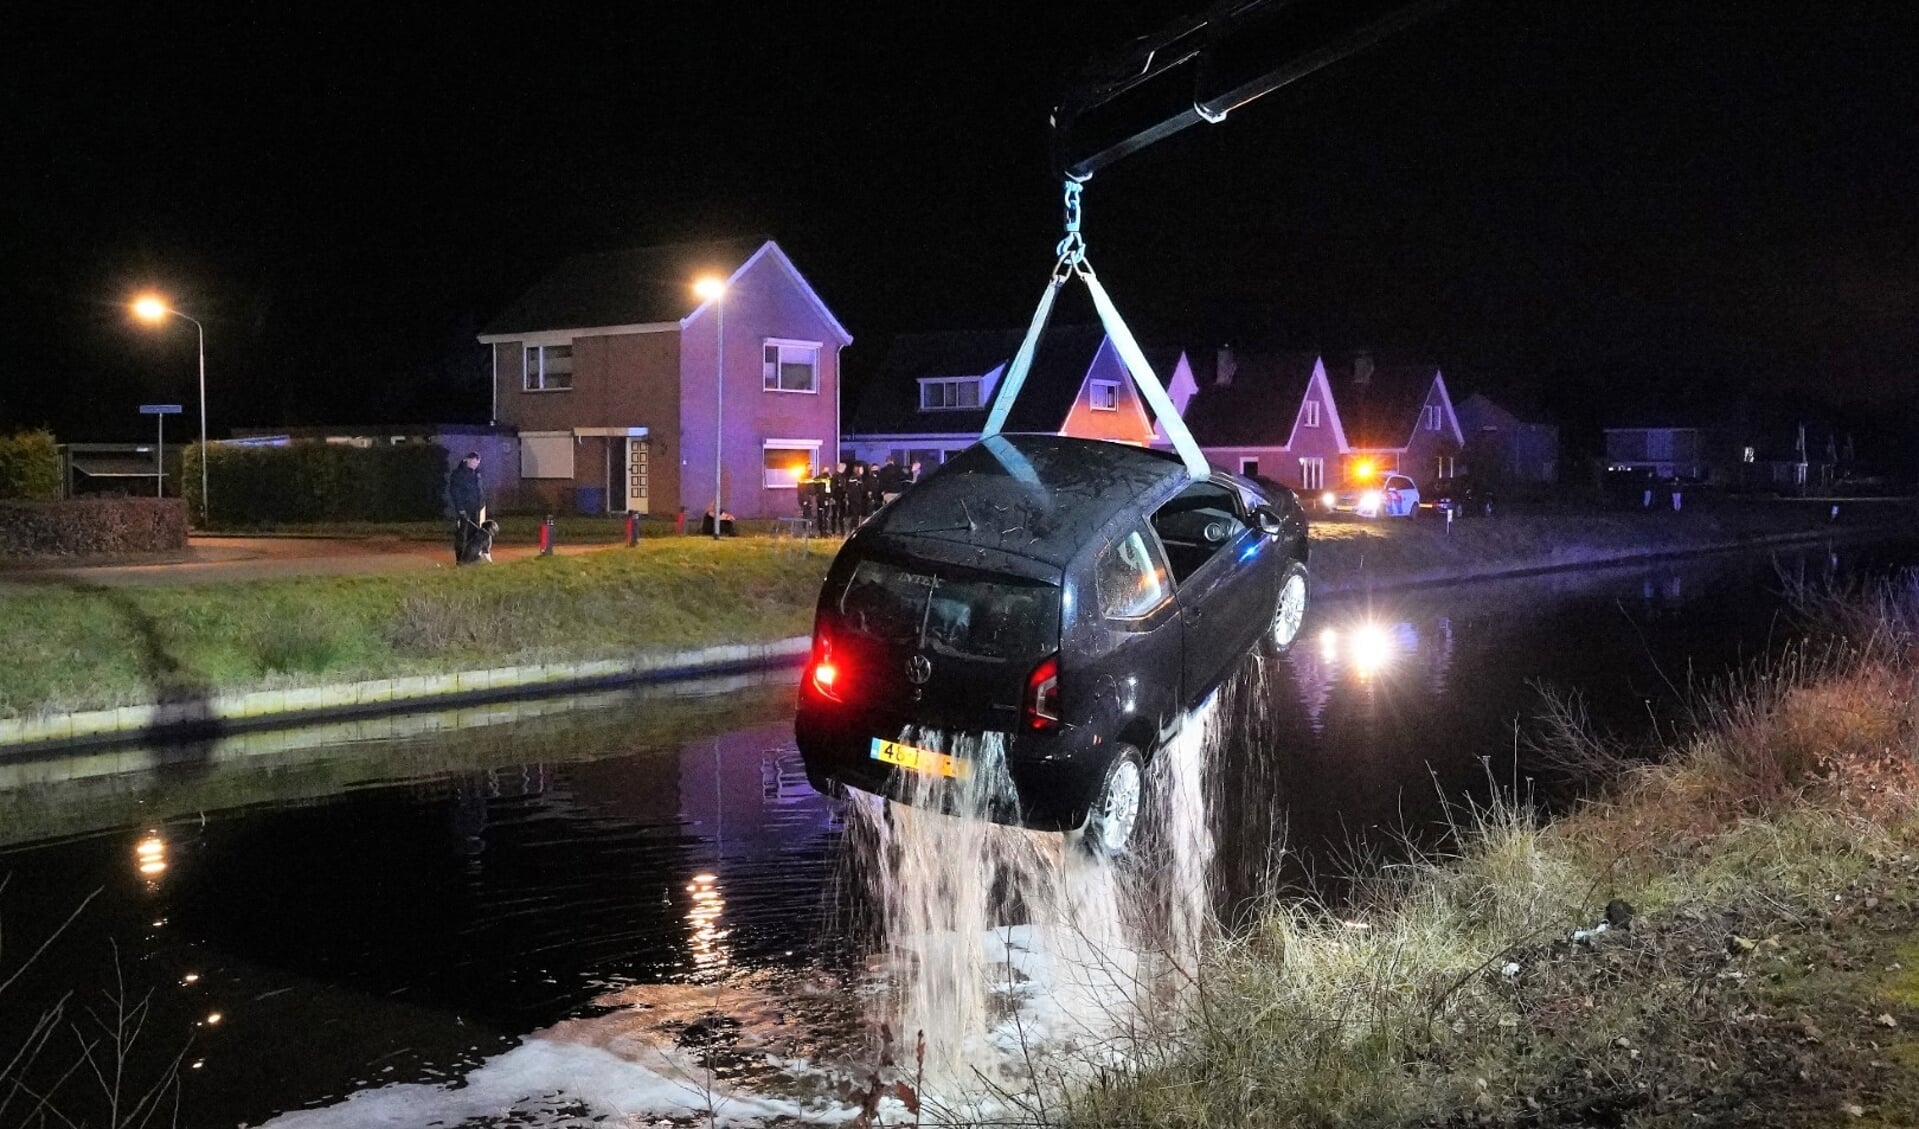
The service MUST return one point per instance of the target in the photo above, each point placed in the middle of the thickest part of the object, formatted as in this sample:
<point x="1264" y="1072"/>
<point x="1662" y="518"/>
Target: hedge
<point x="29" y="466"/>
<point x="92" y="527"/>
<point x="320" y="482"/>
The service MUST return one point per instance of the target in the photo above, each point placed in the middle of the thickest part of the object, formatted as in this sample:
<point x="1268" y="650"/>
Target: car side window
<point x="1130" y="582"/>
<point x="1196" y="524"/>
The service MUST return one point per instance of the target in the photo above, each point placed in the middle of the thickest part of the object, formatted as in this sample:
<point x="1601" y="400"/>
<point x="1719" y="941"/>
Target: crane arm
<point x="1202" y="68"/>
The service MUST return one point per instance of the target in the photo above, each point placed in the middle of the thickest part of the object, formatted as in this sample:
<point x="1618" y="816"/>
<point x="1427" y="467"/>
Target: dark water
<point x="400" y="900"/>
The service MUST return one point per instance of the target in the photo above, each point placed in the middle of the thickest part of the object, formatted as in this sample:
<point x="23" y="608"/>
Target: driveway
<point x="215" y="560"/>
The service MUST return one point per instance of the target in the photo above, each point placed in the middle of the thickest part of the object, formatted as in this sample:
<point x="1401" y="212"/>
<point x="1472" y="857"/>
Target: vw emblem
<point x="919" y="668"/>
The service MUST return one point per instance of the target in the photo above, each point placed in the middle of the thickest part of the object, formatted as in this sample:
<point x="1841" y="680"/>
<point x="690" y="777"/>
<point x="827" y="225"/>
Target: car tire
<point x="1289" y="608"/>
<point x="1113" y="822"/>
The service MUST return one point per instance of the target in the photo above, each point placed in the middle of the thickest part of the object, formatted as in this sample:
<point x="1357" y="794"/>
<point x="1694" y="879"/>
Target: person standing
<point x="837" y="486"/>
<point x="466" y="492"/>
<point x="891" y="481"/>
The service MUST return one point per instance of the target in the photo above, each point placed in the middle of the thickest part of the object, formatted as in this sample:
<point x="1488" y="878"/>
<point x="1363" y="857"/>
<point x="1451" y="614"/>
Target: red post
<point x="546" y="536"/>
<point x="632" y="529"/>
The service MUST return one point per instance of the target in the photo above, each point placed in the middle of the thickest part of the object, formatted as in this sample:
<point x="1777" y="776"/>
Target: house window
<point x="1312" y="474"/>
<point x="1432" y="415"/>
<point x="791" y="366"/>
<point x="549" y="368"/>
<point x="784" y="462"/>
<point x="1309" y="417"/>
<point x="1248" y="467"/>
<point x="1103" y="396"/>
<point x="945" y="393"/>
<point x="1747" y="455"/>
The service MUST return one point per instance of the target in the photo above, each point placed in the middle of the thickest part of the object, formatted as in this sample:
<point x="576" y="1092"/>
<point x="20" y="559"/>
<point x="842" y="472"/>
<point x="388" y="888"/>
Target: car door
<point x="1225" y="579"/>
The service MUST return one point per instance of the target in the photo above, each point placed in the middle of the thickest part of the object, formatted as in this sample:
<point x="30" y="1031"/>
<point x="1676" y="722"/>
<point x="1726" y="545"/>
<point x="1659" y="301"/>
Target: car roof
<point x="1044" y="497"/>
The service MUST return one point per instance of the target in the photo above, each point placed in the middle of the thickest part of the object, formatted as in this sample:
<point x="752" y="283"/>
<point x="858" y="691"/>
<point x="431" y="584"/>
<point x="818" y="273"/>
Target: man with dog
<point x="467" y="494"/>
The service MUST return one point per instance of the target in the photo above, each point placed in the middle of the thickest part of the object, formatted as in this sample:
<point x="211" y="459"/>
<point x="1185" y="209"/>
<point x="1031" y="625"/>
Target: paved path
<point x="214" y="560"/>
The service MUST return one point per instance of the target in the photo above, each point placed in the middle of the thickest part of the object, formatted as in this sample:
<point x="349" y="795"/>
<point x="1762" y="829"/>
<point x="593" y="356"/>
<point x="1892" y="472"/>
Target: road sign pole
<point x="160" y="446"/>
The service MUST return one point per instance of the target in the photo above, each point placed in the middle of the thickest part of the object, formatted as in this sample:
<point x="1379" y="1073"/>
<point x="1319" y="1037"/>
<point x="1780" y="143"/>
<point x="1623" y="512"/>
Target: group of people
<point x="839" y="500"/>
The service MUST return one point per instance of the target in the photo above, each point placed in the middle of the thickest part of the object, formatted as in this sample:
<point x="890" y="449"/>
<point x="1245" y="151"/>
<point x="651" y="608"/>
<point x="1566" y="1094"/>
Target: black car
<point x="1070" y="599"/>
<point x="1461" y="495"/>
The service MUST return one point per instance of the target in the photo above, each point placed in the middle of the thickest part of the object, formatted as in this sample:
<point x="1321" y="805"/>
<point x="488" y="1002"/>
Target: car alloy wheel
<point x="1289" y="611"/>
<point x="1115" y="815"/>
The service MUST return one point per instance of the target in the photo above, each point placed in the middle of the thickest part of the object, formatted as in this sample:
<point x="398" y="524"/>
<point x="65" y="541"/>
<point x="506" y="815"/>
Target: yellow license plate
<point x="919" y="760"/>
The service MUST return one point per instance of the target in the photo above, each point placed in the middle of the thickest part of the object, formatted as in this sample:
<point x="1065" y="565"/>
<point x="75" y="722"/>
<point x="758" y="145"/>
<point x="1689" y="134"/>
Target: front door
<point x="636" y="476"/>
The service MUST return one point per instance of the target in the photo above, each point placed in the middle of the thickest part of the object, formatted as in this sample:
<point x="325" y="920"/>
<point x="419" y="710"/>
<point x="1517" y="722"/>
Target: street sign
<point x="160" y="445"/>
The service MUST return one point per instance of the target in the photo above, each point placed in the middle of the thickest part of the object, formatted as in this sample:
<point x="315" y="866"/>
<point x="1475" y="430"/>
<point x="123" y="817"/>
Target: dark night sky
<point x="1676" y="202"/>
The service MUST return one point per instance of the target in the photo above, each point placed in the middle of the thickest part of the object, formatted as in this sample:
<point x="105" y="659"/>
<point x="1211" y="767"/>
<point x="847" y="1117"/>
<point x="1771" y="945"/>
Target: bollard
<point x="1449" y="521"/>
<point x="546" y="536"/>
<point x="632" y="529"/>
<point x="1646" y="502"/>
<point x="1833" y="516"/>
<point x="1675" y="501"/>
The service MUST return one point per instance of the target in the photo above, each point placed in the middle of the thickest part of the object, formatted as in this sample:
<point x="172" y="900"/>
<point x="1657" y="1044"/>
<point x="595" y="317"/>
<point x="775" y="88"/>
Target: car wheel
<point x="1289" y="610"/>
<point x="1114" y="820"/>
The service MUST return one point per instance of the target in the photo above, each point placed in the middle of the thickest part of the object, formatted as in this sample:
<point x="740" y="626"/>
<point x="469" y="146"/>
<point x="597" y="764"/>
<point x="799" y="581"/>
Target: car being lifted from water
<point x="1065" y="600"/>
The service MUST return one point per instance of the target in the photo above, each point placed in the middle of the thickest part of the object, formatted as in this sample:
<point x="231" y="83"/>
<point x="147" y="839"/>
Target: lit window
<point x="549" y="368"/>
<point x="791" y="366"/>
<point x="1310" y="418"/>
<point x="1432" y="417"/>
<point x="1747" y="455"/>
<point x="945" y="393"/>
<point x="1312" y="474"/>
<point x="1103" y="396"/>
<point x="785" y="462"/>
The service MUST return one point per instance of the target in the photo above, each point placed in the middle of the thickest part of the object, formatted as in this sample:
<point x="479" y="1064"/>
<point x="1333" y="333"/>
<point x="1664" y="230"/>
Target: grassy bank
<point x="68" y="646"/>
<point x="1762" y="967"/>
<point x="1349" y="551"/>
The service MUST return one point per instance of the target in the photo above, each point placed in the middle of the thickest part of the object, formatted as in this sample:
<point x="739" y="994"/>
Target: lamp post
<point x="713" y="289"/>
<point x="153" y="310"/>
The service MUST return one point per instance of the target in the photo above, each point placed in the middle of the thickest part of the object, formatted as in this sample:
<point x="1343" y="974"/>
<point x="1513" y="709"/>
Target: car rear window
<point x="997" y="618"/>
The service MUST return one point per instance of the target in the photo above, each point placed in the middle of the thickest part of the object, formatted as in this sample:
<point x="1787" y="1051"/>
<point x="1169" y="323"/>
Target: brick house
<point x="930" y="396"/>
<point x="1271" y="415"/>
<point x="1502" y="447"/>
<point x="1398" y="417"/>
<point x="609" y="371"/>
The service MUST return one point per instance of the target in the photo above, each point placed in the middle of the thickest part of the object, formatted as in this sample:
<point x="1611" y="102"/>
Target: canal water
<point x="632" y="904"/>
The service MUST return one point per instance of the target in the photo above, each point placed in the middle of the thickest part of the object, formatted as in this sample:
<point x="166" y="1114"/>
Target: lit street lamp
<point x="713" y="289"/>
<point x="153" y="310"/>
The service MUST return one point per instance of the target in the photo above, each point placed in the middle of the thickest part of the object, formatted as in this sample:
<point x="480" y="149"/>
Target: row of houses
<point x="624" y="390"/>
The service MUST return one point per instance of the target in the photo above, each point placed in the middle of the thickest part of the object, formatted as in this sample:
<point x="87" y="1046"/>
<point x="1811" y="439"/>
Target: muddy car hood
<point x="1043" y="497"/>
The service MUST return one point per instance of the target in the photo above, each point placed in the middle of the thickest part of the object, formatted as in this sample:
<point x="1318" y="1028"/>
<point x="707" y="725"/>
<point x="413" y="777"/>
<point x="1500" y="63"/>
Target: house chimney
<point x="1363" y="369"/>
<point x="1227" y="366"/>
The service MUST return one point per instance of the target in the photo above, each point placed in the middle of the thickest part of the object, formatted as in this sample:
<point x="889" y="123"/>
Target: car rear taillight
<point x="823" y="674"/>
<point x="1042" y="696"/>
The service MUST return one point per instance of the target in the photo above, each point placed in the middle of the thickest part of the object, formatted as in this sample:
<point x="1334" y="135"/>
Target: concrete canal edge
<point x="226" y="713"/>
<point x="219" y="714"/>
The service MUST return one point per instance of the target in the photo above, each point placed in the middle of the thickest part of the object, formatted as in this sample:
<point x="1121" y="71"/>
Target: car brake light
<point x="1042" y="695"/>
<point x="823" y="674"/>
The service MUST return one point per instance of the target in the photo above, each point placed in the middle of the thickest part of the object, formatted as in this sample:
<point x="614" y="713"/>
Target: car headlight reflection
<point x="1370" y="500"/>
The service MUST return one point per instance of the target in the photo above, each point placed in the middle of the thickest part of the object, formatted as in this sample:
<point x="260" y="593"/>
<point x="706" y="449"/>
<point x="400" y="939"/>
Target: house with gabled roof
<point x="1398" y="418"/>
<point x="629" y="393"/>
<point x="930" y="396"/>
<point x="1269" y="414"/>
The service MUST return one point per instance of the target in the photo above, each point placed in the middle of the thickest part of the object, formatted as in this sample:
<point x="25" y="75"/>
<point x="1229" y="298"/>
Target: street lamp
<point x="153" y="310"/>
<point x="713" y="289"/>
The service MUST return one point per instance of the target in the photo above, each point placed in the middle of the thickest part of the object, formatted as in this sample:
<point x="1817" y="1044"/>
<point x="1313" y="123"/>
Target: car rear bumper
<point x="1054" y="776"/>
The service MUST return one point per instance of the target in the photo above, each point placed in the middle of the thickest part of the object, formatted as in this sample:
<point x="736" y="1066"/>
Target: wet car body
<point x="1079" y="597"/>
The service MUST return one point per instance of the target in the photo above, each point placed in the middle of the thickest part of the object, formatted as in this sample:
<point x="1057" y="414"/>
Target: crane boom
<point x="1204" y="67"/>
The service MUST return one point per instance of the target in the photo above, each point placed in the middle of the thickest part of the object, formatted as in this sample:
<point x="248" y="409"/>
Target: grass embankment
<point x="515" y="529"/>
<point x="1767" y="973"/>
<point x="1350" y="551"/>
<point x="68" y="646"/>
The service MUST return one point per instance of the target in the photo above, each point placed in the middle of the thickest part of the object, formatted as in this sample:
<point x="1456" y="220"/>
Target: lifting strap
<point x="1072" y="263"/>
